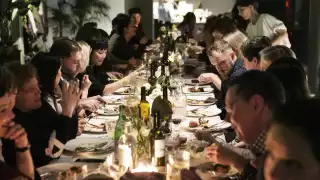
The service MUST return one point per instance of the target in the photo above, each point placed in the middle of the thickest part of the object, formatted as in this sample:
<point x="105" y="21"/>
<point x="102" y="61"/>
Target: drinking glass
<point x="178" y="160"/>
<point x="115" y="169"/>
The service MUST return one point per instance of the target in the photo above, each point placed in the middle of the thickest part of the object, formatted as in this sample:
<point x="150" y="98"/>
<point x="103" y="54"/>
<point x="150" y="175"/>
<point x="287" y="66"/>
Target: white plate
<point x="89" y="142"/>
<point x="206" y="90"/>
<point x="207" y="112"/>
<point x="93" y="126"/>
<point x="200" y="99"/>
<point x="108" y="110"/>
<point x="123" y="91"/>
<point x="214" y="124"/>
<point x="51" y="171"/>
<point x="114" y="99"/>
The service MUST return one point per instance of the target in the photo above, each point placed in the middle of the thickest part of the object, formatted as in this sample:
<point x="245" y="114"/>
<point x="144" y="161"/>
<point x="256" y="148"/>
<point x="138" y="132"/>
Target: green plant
<point x="72" y="14"/>
<point x="60" y="17"/>
<point x="87" y="10"/>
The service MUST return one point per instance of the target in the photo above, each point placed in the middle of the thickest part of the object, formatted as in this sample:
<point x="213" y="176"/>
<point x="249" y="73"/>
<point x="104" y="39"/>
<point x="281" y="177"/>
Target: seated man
<point x="39" y="119"/>
<point x="10" y="131"/>
<point x="250" y="51"/>
<point x="224" y="59"/>
<point x="250" y="102"/>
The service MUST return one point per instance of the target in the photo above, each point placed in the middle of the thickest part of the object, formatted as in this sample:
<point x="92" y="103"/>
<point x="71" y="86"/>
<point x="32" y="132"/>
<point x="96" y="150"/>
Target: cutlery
<point x="198" y="109"/>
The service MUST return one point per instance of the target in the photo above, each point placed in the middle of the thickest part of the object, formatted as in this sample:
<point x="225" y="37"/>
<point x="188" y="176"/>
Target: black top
<point x="123" y="50"/>
<point x="39" y="125"/>
<point x="237" y="70"/>
<point x="136" y="41"/>
<point x="98" y="79"/>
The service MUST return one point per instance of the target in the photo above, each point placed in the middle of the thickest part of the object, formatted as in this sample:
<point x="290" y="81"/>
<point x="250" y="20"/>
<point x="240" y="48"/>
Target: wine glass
<point x="115" y="168"/>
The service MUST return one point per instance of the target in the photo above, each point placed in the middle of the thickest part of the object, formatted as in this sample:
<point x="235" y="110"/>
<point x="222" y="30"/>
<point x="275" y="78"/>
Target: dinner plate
<point x="113" y="100"/>
<point x="205" y="172"/>
<point x="214" y="124"/>
<point x="96" y="125"/>
<point x="89" y="147"/>
<point x="201" y="100"/>
<point x="202" y="90"/>
<point x="108" y="110"/>
<point x="52" y="171"/>
<point x="124" y="91"/>
<point x="208" y="111"/>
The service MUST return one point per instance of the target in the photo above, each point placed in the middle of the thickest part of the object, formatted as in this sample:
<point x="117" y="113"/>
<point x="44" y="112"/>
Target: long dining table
<point x="69" y="158"/>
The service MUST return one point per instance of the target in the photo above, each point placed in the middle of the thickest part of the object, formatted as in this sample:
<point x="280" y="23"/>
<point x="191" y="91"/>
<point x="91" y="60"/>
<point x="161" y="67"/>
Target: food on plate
<point x="92" y="127"/>
<point x="92" y="147"/>
<point x="75" y="170"/>
<point x="209" y="100"/>
<point x="193" y="124"/>
<point x="128" y="90"/>
<point x="196" y="89"/>
<point x="221" y="169"/>
<point x="110" y="110"/>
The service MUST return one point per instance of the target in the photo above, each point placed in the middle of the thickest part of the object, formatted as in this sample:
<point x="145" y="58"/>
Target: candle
<point x="125" y="158"/>
<point x="84" y="171"/>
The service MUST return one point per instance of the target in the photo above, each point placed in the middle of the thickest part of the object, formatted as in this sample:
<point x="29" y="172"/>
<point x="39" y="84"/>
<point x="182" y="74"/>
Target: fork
<point x="200" y="108"/>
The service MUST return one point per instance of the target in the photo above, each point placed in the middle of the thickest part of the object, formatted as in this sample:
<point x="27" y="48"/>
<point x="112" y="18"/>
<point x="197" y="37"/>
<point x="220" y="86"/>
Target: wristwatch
<point x="23" y="149"/>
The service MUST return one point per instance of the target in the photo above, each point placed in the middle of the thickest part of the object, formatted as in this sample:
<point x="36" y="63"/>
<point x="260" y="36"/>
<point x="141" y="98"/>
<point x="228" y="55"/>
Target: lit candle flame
<point x="144" y="168"/>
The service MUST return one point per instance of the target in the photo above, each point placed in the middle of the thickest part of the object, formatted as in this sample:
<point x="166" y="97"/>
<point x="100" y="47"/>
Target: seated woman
<point x="187" y="26"/>
<point x="101" y="82"/>
<point x="121" y="51"/>
<point x="274" y="53"/>
<point x="10" y="131"/>
<point x="293" y="142"/>
<point x="291" y="74"/>
<point x="47" y="118"/>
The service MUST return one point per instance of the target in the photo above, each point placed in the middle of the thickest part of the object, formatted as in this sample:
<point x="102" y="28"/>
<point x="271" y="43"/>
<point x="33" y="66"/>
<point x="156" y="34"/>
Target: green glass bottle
<point x="120" y="123"/>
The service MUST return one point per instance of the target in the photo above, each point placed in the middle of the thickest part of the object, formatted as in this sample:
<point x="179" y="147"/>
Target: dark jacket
<point x="98" y="79"/>
<point x="237" y="70"/>
<point x="39" y="125"/>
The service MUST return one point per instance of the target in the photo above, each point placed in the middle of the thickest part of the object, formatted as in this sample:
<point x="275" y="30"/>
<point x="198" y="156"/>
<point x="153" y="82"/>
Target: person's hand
<point x="17" y="133"/>
<point x="70" y="96"/>
<point x="90" y="104"/>
<point x="144" y="40"/>
<point x="85" y="83"/>
<point x="133" y="61"/>
<point x="221" y="155"/>
<point x="208" y="78"/>
<point x="81" y="125"/>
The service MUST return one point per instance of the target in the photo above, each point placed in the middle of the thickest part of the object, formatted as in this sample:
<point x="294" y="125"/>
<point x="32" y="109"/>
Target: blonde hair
<point x="219" y="45"/>
<point x="235" y="39"/>
<point x="86" y="51"/>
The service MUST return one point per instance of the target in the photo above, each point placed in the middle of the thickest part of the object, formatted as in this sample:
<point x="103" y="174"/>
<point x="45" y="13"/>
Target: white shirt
<point x="166" y="11"/>
<point x="267" y="26"/>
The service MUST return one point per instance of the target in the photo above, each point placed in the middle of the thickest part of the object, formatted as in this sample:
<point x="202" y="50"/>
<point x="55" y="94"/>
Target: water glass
<point x="178" y="160"/>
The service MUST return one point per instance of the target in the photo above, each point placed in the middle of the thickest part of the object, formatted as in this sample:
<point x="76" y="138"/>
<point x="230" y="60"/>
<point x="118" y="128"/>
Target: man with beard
<point x="225" y="60"/>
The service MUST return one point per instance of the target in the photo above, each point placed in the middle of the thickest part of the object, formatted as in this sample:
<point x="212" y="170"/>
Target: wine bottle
<point x="144" y="106"/>
<point x="159" y="143"/>
<point x="153" y="79"/>
<point x="120" y="123"/>
<point x="167" y="117"/>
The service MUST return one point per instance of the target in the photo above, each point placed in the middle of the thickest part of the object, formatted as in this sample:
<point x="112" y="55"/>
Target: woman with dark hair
<point x="121" y="50"/>
<point x="101" y="83"/>
<point x="263" y="24"/>
<point x="187" y="26"/>
<point x="291" y="74"/>
<point x="293" y="142"/>
<point x="54" y="123"/>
